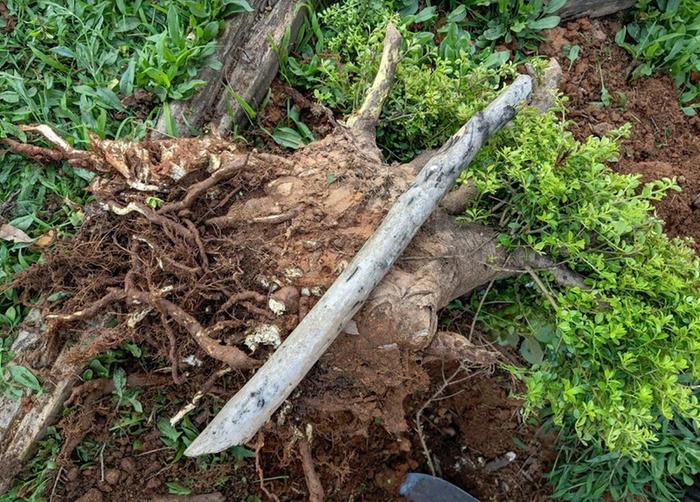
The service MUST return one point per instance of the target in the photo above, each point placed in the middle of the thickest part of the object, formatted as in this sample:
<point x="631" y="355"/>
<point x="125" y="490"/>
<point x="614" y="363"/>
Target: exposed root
<point x="259" y="443"/>
<point x="172" y="351"/>
<point x="242" y="296"/>
<point x="147" y="166"/>
<point x="232" y="356"/>
<point x="198" y="189"/>
<point x="198" y="241"/>
<point x="192" y="405"/>
<point x="114" y="295"/>
<point x="313" y="482"/>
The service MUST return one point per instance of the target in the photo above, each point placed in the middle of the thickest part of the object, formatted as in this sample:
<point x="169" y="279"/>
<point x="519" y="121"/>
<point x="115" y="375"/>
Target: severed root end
<point x="365" y="119"/>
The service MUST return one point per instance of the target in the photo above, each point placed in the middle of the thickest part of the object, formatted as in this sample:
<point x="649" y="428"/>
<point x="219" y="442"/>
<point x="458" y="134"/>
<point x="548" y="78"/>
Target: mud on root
<point x="139" y="275"/>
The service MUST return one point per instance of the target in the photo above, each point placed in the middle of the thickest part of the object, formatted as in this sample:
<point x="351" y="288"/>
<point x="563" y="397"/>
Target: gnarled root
<point x="444" y="262"/>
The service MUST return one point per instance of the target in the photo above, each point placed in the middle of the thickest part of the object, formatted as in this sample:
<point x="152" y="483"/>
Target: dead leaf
<point x="46" y="239"/>
<point x="13" y="234"/>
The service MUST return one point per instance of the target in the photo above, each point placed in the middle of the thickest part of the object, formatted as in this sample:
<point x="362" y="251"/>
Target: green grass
<point x="68" y="64"/>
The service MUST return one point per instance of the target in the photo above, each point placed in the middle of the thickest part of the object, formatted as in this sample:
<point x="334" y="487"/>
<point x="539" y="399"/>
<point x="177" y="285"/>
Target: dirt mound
<point x="664" y="142"/>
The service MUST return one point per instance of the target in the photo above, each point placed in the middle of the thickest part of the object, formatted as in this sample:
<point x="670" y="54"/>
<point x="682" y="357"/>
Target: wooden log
<point x="22" y="426"/>
<point x="249" y="65"/>
<point x="592" y="8"/>
<point x="254" y="404"/>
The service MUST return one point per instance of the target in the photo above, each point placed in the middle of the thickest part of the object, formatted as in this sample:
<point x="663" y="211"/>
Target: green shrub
<point x="437" y="87"/>
<point x="665" y="34"/>
<point x="622" y="354"/>
<point x="616" y="363"/>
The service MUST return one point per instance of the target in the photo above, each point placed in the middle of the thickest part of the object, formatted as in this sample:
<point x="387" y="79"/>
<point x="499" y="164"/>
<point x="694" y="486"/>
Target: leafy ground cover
<point x="665" y="35"/>
<point x="612" y="365"/>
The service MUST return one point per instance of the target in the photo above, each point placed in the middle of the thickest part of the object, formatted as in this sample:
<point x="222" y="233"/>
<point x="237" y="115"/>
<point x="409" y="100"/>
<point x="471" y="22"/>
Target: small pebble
<point x="112" y="476"/>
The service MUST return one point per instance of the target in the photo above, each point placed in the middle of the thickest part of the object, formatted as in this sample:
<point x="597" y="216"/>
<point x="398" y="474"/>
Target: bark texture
<point x="592" y="8"/>
<point x="249" y="64"/>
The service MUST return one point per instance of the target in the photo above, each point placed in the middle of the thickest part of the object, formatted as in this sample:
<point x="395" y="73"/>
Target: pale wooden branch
<point x="254" y="404"/>
<point x="365" y="119"/>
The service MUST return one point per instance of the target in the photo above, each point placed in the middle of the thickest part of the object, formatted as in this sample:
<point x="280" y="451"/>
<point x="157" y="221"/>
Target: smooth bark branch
<point x="366" y="118"/>
<point x="254" y="404"/>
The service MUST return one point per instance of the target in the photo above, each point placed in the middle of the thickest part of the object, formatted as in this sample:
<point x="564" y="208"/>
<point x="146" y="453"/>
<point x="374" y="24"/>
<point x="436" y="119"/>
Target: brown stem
<point x="313" y="482"/>
<point x="232" y="356"/>
<point x="112" y="296"/>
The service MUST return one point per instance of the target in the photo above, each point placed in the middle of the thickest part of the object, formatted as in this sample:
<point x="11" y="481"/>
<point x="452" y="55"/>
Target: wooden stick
<point x="254" y="404"/>
<point x="366" y="118"/>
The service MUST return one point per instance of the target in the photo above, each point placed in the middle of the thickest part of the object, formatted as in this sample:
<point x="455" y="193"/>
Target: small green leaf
<point x="236" y="6"/>
<point x="174" y="25"/>
<point x="531" y="350"/>
<point x="620" y="36"/>
<point x="241" y="452"/>
<point x="108" y="97"/>
<point x="23" y="376"/>
<point x="178" y="489"/>
<point x="553" y="6"/>
<point x="425" y="15"/>
<point x="497" y="59"/>
<point x="170" y="125"/>
<point x="544" y="23"/>
<point x="119" y="380"/>
<point x="126" y="82"/>
<point x="287" y="137"/>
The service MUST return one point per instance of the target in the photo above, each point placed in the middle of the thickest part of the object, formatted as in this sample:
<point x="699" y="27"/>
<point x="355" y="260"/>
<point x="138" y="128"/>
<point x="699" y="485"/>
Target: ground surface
<point x="664" y="142"/>
<point x="355" y="457"/>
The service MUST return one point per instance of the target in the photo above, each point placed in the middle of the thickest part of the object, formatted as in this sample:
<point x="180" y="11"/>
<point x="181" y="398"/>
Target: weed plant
<point x="665" y="35"/>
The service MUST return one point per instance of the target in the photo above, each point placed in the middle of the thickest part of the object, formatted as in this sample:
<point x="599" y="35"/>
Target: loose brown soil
<point x="664" y="141"/>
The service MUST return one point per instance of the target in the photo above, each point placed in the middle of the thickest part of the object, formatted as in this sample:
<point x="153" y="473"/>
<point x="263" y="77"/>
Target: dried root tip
<point x="198" y="189"/>
<point x="111" y="297"/>
<point x="313" y="482"/>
